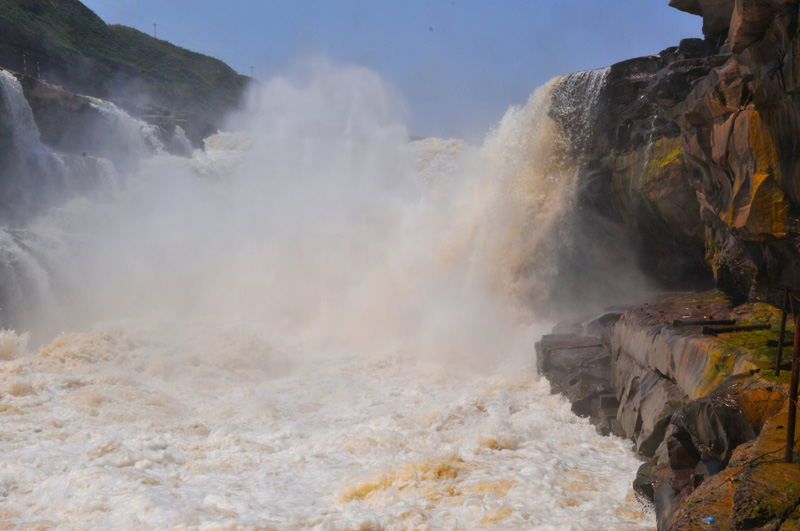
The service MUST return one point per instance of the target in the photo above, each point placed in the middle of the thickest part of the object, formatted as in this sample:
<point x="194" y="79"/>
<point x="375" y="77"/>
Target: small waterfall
<point x="24" y="130"/>
<point x="531" y="164"/>
<point x="576" y="106"/>
<point x="121" y="132"/>
<point x="179" y="144"/>
<point x="25" y="281"/>
<point x="31" y="167"/>
<point x="34" y="178"/>
<point x="596" y="264"/>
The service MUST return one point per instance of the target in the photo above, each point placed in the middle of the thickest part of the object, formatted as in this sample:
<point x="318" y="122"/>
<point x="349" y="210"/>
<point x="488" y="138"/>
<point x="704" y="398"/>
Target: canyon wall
<point x="695" y="162"/>
<point x="696" y="157"/>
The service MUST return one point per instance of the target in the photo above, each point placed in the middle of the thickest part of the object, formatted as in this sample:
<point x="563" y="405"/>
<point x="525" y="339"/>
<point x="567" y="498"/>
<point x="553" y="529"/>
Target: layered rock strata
<point x="705" y="410"/>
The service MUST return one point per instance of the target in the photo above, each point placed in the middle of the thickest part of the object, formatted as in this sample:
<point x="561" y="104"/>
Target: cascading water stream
<point x="121" y="129"/>
<point x="28" y="163"/>
<point x="20" y="118"/>
<point x="34" y="177"/>
<point x="311" y="325"/>
<point x="576" y="105"/>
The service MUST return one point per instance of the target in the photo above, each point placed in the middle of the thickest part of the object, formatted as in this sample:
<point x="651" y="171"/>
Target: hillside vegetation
<point x="76" y="49"/>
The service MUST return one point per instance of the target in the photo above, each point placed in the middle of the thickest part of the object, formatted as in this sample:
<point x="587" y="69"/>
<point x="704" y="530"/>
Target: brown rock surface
<point x="706" y="409"/>
<point x="752" y="492"/>
<point x="578" y="367"/>
<point x="749" y="21"/>
<point x="699" y="167"/>
<point x="716" y="13"/>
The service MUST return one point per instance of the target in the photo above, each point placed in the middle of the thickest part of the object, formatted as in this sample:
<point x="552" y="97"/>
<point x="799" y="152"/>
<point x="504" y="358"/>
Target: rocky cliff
<point x="697" y="158"/>
<point x="696" y="163"/>
<point x="700" y="400"/>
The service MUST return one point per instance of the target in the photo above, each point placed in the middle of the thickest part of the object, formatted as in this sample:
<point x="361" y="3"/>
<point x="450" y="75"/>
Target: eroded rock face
<point x="701" y="442"/>
<point x="698" y="166"/>
<point x="635" y="178"/>
<point x="741" y="130"/>
<point x="694" y="403"/>
<point x="579" y="367"/>
<point x="716" y="13"/>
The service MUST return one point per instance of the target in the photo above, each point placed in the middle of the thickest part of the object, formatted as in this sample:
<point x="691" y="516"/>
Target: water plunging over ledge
<point x="311" y="325"/>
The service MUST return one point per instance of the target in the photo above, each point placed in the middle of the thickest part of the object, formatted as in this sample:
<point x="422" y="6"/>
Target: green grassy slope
<point x="75" y="48"/>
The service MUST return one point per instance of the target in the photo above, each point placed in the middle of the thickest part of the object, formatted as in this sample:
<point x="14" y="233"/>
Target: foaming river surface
<point x="312" y="324"/>
<point x="114" y="430"/>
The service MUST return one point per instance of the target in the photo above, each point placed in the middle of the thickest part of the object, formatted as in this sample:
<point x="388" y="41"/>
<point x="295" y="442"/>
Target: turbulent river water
<point x="312" y="324"/>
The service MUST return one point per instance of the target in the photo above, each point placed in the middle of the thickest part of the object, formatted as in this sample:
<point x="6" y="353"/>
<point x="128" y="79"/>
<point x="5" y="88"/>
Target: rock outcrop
<point x="704" y="408"/>
<point x="698" y="164"/>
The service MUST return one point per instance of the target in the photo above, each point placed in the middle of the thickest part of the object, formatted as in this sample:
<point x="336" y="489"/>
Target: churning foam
<point x="311" y="325"/>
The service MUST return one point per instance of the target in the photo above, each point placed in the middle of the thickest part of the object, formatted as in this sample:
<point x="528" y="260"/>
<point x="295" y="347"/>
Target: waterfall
<point x="530" y="166"/>
<point x="576" y="106"/>
<point x="119" y="131"/>
<point x="30" y="166"/>
<point x="25" y="281"/>
<point x="34" y="177"/>
<point x="23" y="126"/>
<point x="312" y="324"/>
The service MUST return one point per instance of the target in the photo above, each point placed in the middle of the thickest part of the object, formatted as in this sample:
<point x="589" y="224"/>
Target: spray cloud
<point x="314" y="323"/>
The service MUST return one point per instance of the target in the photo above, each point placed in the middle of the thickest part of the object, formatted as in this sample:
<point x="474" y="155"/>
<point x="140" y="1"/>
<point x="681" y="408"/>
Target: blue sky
<point x="459" y="64"/>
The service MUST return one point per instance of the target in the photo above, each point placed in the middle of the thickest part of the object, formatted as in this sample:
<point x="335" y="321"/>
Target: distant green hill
<point x="76" y="49"/>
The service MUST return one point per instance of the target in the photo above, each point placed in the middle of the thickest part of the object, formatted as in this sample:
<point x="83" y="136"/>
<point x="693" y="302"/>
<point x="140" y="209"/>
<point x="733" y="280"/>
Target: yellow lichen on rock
<point x="762" y="145"/>
<point x="769" y="210"/>
<point x="760" y="207"/>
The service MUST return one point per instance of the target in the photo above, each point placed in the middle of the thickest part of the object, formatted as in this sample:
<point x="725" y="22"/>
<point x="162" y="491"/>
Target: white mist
<point x="311" y="325"/>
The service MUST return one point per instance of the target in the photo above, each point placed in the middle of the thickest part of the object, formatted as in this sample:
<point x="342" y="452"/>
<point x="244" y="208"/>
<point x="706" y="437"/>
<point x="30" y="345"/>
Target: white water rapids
<point x="311" y="325"/>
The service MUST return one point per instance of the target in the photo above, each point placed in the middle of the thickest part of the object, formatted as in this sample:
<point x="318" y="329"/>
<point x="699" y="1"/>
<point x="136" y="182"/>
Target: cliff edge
<point x="697" y="163"/>
<point x="64" y="43"/>
<point x="697" y="158"/>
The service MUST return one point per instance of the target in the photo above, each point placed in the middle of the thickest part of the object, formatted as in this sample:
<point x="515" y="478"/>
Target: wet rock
<point x="603" y="327"/>
<point x="647" y="403"/>
<point x="765" y="485"/>
<point x="666" y="503"/>
<point x="706" y="469"/>
<point x="716" y="426"/>
<point x="570" y="326"/>
<point x="752" y="492"/>
<point x="579" y="368"/>
<point x="690" y="403"/>
<point x="701" y="443"/>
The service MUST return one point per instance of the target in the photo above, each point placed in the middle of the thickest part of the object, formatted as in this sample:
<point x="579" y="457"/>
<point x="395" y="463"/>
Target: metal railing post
<point x="778" y="359"/>
<point x="792" y="417"/>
